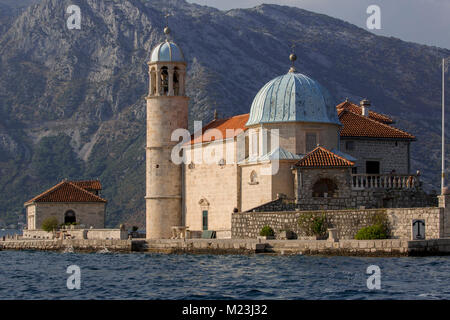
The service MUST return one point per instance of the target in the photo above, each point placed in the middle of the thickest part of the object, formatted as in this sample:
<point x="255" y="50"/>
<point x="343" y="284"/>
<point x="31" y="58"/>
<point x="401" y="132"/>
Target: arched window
<point x="164" y="81"/>
<point x="176" y="82"/>
<point x="324" y="188"/>
<point x="69" y="217"/>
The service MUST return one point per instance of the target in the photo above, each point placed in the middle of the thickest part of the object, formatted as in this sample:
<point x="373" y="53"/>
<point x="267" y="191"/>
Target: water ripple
<point x="42" y="275"/>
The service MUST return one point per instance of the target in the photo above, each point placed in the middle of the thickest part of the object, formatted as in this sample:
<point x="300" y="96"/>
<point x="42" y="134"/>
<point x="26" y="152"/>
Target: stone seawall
<point x="247" y="225"/>
<point x="242" y="246"/>
<point x="63" y="245"/>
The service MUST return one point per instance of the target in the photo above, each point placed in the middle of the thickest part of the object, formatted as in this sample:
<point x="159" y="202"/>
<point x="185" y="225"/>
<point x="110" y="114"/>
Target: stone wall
<point x="247" y="225"/>
<point x="91" y="234"/>
<point x="392" y="155"/>
<point x="256" y="192"/>
<point x="371" y="199"/>
<point x="307" y="178"/>
<point x="347" y="198"/>
<point x="75" y="245"/>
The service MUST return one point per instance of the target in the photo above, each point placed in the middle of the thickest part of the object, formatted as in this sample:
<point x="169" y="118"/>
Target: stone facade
<point x="306" y="178"/>
<point x="248" y="224"/>
<point x="210" y="186"/>
<point x="167" y="111"/>
<point x="347" y="198"/>
<point x="392" y="154"/>
<point x="88" y="214"/>
<point x="218" y="188"/>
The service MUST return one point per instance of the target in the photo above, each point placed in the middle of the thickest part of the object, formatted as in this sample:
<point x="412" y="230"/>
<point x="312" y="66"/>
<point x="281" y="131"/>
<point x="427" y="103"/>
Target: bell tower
<point x="167" y="110"/>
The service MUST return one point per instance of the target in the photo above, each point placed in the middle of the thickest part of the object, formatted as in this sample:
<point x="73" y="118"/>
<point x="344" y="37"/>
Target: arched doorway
<point x="70" y="217"/>
<point x="324" y="188"/>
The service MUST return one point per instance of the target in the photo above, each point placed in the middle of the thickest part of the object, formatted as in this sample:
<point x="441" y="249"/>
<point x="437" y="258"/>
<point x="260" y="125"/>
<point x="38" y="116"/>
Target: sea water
<point x="43" y="275"/>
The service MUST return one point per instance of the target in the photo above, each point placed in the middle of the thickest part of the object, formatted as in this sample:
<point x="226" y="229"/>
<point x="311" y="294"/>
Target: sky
<point x="421" y="21"/>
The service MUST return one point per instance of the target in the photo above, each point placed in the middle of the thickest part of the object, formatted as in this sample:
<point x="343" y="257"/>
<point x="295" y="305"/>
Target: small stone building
<point x="70" y="202"/>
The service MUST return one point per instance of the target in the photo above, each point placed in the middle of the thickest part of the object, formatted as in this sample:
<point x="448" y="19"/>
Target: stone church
<point x="325" y="156"/>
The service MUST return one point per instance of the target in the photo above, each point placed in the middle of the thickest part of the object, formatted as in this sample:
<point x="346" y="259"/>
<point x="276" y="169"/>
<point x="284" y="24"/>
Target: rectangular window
<point x="311" y="141"/>
<point x="373" y="167"/>
<point x="205" y="220"/>
<point x="350" y="145"/>
<point x="355" y="170"/>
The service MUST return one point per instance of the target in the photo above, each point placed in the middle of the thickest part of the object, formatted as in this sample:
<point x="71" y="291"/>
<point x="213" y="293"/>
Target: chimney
<point x="365" y="105"/>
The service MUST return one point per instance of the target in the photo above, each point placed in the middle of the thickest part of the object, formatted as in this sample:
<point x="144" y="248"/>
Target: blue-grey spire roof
<point x="167" y="51"/>
<point x="292" y="97"/>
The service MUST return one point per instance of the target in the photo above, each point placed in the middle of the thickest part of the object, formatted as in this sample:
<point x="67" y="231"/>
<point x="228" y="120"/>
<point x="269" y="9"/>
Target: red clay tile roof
<point x="355" y="125"/>
<point x="323" y="158"/>
<point x="347" y="105"/>
<point x="66" y="191"/>
<point x="88" y="184"/>
<point x="235" y="123"/>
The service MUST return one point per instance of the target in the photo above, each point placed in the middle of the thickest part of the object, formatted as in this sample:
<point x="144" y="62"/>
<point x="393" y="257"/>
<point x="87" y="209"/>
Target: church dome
<point x="167" y="51"/>
<point x="292" y="97"/>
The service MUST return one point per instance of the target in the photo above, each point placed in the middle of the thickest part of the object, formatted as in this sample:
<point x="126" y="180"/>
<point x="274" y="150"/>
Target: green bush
<point x="376" y="231"/>
<point x="50" y="224"/>
<point x="313" y="224"/>
<point x="267" y="232"/>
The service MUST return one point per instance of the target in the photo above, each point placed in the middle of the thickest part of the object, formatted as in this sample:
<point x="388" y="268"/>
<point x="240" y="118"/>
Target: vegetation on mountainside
<point x="87" y="88"/>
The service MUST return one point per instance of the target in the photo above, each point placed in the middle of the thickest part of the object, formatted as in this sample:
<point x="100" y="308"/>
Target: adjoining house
<point x="70" y="202"/>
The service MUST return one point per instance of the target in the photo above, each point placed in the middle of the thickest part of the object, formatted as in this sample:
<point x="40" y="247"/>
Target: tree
<point x="50" y="224"/>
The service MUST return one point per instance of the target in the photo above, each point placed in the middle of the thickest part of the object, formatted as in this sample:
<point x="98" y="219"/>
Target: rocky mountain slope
<point x="72" y="101"/>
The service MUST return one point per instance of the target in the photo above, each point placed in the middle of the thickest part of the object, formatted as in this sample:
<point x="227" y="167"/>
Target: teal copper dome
<point x="167" y="51"/>
<point x="292" y="97"/>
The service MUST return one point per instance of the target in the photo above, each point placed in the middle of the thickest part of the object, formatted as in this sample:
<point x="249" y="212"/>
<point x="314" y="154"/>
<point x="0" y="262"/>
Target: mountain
<point x="72" y="101"/>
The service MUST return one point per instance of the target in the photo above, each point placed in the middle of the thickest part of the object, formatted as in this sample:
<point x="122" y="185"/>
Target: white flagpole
<point x="443" y="127"/>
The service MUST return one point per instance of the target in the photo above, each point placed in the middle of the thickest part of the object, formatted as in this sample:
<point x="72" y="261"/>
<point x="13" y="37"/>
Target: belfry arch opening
<point x="164" y="80"/>
<point x="176" y="82"/>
